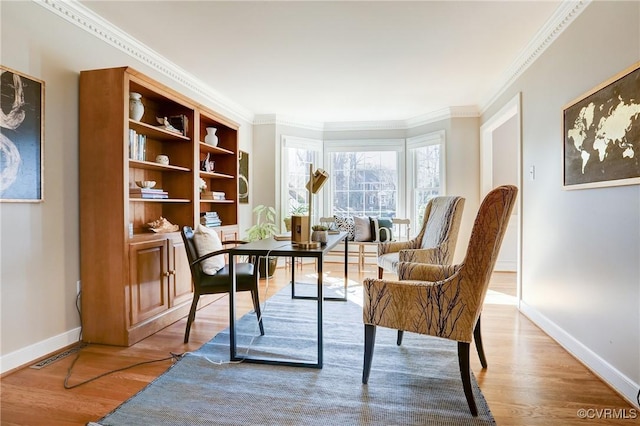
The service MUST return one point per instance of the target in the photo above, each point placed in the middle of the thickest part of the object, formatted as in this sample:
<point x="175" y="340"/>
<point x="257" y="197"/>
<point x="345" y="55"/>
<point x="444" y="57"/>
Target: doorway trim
<point x="511" y="109"/>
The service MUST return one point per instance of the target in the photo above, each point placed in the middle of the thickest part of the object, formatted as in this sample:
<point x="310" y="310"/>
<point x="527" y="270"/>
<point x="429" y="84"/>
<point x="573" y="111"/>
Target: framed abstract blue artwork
<point x="21" y="137"/>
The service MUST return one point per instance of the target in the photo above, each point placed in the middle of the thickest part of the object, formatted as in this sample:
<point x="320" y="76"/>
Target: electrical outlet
<point x="78" y="287"/>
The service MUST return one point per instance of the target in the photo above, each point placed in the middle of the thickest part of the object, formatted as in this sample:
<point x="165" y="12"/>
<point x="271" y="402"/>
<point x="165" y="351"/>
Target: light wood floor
<point x="530" y="380"/>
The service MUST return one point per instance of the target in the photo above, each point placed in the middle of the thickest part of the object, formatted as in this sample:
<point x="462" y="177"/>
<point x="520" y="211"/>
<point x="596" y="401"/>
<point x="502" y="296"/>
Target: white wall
<point x="39" y="243"/>
<point x="581" y="248"/>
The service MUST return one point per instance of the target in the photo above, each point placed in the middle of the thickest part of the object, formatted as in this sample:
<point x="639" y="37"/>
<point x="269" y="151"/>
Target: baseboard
<point x="599" y="366"/>
<point x="506" y="266"/>
<point x="30" y="354"/>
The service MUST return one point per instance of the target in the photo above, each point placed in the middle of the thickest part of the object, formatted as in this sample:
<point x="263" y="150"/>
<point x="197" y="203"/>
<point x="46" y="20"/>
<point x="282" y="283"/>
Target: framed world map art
<point x="601" y="131"/>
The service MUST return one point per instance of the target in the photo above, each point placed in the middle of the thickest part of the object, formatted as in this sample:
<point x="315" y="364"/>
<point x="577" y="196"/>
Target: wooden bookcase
<point x="134" y="281"/>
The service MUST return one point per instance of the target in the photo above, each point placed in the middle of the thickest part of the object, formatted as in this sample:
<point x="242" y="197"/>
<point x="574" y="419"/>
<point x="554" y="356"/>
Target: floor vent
<point x="57" y="357"/>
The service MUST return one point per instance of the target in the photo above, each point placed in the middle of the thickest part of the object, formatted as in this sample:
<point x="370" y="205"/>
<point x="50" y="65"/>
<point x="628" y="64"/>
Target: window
<point x="297" y="154"/>
<point x="365" y="178"/>
<point x="425" y="173"/>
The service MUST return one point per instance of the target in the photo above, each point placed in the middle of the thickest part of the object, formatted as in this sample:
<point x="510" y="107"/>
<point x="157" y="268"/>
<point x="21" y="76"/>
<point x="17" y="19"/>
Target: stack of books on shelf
<point x="152" y="193"/>
<point x="212" y="195"/>
<point x="137" y="145"/>
<point x="210" y="219"/>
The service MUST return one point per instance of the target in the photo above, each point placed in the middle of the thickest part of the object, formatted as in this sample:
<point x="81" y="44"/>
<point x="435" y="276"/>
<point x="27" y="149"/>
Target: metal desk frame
<point x="273" y="248"/>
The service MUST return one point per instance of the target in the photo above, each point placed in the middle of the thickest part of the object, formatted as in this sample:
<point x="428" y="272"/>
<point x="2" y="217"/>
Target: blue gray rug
<point x="417" y="383"/>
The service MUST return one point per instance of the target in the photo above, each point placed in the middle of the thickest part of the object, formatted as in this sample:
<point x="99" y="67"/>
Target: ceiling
<point x="338" y="61"/>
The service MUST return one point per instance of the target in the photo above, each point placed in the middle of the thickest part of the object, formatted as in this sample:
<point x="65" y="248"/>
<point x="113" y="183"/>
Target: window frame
<point x="365" y="145"/>
<point x="420" y="141"/>
<point x="308" y="144"/>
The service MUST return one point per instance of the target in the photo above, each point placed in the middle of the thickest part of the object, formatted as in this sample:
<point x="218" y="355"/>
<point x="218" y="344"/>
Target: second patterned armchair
<point x="436" y="241"/>
<point x="442" y="300"/>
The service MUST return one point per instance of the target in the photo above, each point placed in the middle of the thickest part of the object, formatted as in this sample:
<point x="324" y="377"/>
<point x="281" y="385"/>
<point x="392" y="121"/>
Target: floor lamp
<point x="302" y="228"/>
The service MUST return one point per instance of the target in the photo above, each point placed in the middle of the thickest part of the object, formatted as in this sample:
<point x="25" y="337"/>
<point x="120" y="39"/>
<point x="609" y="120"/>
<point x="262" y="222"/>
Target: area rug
<point x="417" y="383"/>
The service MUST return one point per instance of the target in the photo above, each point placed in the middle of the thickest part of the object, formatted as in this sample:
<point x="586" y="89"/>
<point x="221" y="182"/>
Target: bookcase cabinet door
<point x="149" y="277"/>
<point x="180" y="283"/>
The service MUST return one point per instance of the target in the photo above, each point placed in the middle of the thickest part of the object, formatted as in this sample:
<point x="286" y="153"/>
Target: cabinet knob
<point x="166" y="274"/>
<point x="172" y="272"/>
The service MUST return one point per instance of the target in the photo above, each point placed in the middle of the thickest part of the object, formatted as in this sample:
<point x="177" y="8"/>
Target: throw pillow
<point x="362" y="228"/>
<point x="346" y="224"/>
<point x="206" y="241"/>
<point x="381" y="229"/>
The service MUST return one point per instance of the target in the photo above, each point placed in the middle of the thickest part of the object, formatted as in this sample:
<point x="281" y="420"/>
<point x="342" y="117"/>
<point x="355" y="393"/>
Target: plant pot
<point x="320" y="236"/>
<point x="267" y="269"/>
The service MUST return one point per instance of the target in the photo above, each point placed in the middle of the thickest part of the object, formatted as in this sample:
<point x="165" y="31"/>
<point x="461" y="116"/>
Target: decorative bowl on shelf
<point x="146" y="183"/>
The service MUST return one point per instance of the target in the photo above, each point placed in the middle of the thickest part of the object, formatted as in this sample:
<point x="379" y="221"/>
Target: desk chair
<point x="246" y="277"/>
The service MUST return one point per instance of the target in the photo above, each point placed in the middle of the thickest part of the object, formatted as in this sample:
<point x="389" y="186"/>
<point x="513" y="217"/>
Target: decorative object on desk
<point x="426" y="393"/>
<point x="319" y="234"/>
<point x="316" y="181"/>
<point x="203" y="185"/>
<point x="601" y="130"/>
<point x="211" y="138"/>
<point x="164" y="124"/>
<point x="21" y="138"/>
<point x="207" y="165"/>
<point x="265" y="227"/>
<point x="162" y="159"/>
<point x="162" y="225"/>
<point x="243" y="178"/>
<point x="146" y="183"/>
<point x="299" y="210"/>
<point x="136" y="107"/>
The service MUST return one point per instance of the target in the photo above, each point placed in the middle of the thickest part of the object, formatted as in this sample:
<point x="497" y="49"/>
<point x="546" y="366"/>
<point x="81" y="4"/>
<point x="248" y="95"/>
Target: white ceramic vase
<point x="211" y="138"/>
<point x="136" y="108"/>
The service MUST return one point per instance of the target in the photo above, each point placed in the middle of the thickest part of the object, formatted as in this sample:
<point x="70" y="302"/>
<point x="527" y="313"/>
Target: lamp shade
<point x="317" y="180"/>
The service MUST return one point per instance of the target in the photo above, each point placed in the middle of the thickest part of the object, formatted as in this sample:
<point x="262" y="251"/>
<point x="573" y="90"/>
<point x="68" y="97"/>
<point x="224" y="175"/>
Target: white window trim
<point x="349" y="145"/>
<point x="298" y="143"/>
<point x="434" y="138"/>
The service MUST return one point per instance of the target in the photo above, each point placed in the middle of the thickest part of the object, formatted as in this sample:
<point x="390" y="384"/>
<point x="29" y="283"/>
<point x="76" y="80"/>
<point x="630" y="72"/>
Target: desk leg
<point x="232" y="309"/>
<point x="320" y="313"/>
<point x="346" y="267"/>
<point x="293" y="278"/>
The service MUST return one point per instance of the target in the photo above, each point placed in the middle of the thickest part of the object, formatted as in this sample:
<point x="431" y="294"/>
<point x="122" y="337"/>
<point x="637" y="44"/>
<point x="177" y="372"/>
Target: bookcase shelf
<point x="156" y="132"/>
<point x="148" y="165"/>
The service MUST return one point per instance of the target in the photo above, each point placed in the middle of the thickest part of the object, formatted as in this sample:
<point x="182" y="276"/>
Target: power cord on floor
<point x="174" y="357"/>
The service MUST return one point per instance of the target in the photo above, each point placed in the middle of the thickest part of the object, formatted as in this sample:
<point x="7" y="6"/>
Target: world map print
<point x="602" y="134"/>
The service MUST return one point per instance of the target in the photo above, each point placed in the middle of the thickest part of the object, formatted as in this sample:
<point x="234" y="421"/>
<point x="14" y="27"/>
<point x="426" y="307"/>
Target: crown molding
<point x="79" y="15"/>
<point x="339" y="126"/>
<point x="283" y="120"/>
<point x="563" y="16"/>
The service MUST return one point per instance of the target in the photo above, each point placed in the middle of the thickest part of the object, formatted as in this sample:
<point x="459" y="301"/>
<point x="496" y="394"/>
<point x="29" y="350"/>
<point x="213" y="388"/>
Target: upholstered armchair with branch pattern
<point x="443" y="300"/>
<point x="436" y="241"/>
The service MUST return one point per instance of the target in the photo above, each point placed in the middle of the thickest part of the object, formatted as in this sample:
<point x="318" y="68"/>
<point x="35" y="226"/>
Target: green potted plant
<point x="264" y="227"/>
<point x="320" y="234"/>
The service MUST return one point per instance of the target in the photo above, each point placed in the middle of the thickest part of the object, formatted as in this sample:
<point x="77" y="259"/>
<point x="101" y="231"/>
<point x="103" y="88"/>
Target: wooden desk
<point x="271" y="247"/>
